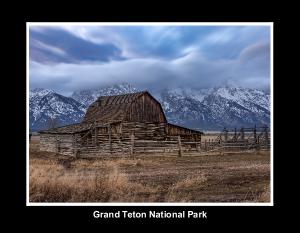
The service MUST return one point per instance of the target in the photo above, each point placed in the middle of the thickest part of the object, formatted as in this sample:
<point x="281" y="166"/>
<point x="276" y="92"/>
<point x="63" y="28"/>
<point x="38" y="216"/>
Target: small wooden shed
<point x="112" y="123"/>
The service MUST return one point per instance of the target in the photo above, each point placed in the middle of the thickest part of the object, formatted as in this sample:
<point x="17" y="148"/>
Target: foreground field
<point x="146" y="178"/>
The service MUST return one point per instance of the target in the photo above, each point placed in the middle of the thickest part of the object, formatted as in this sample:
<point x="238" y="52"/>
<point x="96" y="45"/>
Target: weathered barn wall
<point x="186" y="134"/>
<point x="145" y="109"/>
<point x="48" y="142"/>
<point x="58" y="143"/>
<point x="117" y="138"/>
<point x="144" y="130"/>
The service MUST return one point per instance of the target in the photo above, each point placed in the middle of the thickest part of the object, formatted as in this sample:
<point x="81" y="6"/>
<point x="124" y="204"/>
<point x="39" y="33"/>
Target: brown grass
<point x="264" y="196"/>
<point x="159" y="178"/>
<point x="53" y="183"/>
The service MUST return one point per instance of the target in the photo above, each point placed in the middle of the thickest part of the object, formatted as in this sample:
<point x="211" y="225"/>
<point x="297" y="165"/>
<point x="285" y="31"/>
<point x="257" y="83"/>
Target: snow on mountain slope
<point x="45" y="104"/>
<point x="243" y="96"/>
<point x="215" y="108"/>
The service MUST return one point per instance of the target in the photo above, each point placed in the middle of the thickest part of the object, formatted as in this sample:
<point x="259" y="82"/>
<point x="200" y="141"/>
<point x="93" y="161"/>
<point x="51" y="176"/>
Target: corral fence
<point x="245" y="138"/>
<point x="229" y="140"/>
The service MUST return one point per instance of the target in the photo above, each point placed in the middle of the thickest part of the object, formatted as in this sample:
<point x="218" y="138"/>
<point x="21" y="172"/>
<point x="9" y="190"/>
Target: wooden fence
<point x="255" y="138"/>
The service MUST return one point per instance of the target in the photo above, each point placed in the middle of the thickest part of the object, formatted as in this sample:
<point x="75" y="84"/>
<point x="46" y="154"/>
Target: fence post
<point x="57" y="145"/>
<point x="179" y="147"/>
<point x="132" y="144"/>
<point x="266" y="137"/>
<point x="254" y="132"/>
<point x="254" y="135"/>
<point x="235" y="138"/>
<point x="205" y="145"/>
<point x="225" y="134"/>
<point x="242" y="133"/>
<point x="74" y="146"/>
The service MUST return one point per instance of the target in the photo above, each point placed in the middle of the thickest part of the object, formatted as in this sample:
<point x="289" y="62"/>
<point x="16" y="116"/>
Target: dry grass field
<point x="149" y="178"/>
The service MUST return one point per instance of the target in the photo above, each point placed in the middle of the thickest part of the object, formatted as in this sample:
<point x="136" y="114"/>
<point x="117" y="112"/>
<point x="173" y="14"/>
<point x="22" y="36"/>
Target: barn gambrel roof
<point x="109" y="109"/>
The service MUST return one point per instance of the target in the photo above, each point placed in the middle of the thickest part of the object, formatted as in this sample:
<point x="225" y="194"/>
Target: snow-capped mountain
<point x="86" y="97"/>
<point x="216" y="108"/>
<point x="45" y="104"/>
<point x="204" y="109"/>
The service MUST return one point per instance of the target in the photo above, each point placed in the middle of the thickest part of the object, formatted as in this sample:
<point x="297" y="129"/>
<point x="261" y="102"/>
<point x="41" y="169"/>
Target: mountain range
<point x="46" y="104"/>
<point x="203" y="109"/>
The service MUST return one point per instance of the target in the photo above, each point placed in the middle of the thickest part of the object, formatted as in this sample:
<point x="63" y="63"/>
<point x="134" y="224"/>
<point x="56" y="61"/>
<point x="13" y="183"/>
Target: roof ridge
<point x="127" y="94"/>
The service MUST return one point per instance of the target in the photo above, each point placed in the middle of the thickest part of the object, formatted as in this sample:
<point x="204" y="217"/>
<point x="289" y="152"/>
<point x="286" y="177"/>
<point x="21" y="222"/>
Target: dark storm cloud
<point x="57" y="45"/>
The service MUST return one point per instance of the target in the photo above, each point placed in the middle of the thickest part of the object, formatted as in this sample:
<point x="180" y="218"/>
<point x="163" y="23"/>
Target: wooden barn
<point x="117" y="124"/>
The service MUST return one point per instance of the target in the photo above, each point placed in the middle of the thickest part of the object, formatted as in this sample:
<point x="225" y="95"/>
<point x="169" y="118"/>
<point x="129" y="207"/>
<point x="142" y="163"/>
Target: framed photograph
<point x="150" y="114"/>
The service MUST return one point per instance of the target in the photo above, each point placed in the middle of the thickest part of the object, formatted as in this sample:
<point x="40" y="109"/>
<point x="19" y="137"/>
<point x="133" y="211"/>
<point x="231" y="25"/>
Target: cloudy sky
<point x="73" y="57"/>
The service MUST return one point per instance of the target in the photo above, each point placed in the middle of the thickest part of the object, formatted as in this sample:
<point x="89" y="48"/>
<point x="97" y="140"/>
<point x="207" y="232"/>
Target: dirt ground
<point x="236" y="177"/>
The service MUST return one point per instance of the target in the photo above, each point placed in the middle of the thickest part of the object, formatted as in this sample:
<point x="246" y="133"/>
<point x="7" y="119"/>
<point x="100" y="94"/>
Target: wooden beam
<point x="84" y="136"/>
<point x="235" y="135"/>
<point x="179" y="147"/>
<point x="266" y="137"/>
<point x="197" y="146"/>
<point x="75" y="150"/>
<point x="242" y="134"/>
<point x="132" y="144"/>
<point x="109" y="137"/>
<point x="57" y="144"/>
<point x="225" y="134"/>
<point x="96" y="136"/>
<point x="254" y="134"/>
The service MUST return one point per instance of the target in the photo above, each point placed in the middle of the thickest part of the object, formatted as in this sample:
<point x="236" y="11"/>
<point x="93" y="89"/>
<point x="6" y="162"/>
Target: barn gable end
<point x="145" y="108"/>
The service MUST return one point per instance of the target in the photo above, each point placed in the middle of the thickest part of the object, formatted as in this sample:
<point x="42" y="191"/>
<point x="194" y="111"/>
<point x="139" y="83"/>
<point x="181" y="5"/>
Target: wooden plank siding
<point x="145" y="109"/>
<point x="185" y="133"/>
<point x="62" y="143"/>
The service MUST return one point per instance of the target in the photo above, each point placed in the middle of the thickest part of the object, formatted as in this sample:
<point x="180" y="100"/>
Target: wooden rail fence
<point x="228" y="140"/>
